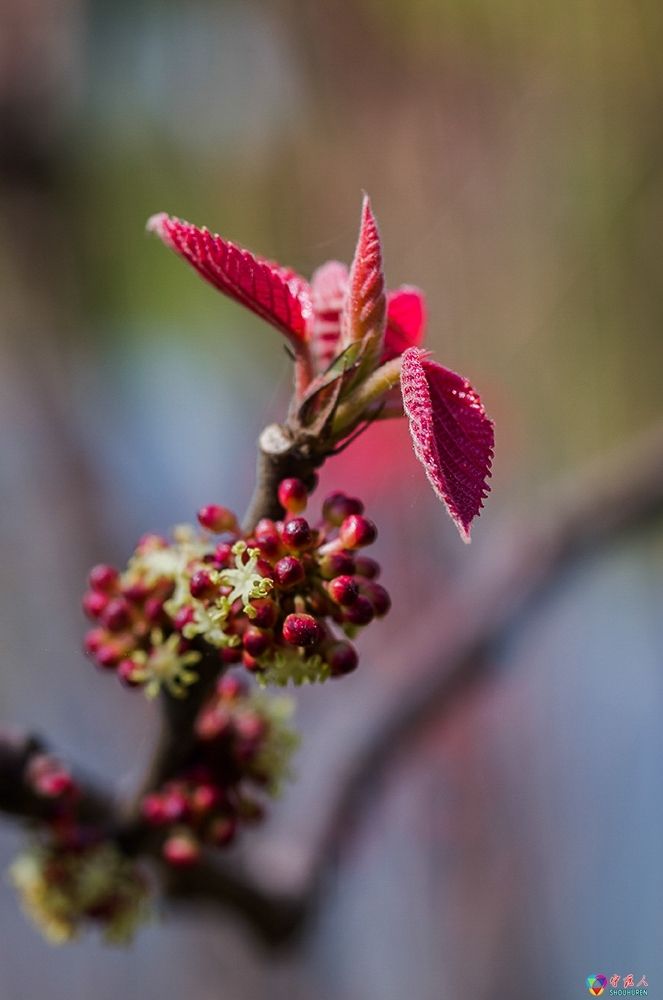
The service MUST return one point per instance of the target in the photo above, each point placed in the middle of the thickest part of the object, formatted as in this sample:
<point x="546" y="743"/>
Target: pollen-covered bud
<point x="293" y="495"/>
<point x="222" y="830"/>
<point x="117" y="614"/>
<point x="202" y="586"/>
<point x="129" y="673"/>
<point x="104" y="577"/>
<point x="181" y="849"/>
<point x="378" y="597"/>
<point x="361" y="612"/>
<point x="94" y="603"/>
<point x="338" y="506"/>
<point x="267" y="539"/>
<point x="297" y="534"/>
<point x="288" y="571"/>
<point x="336" y="564"/>
<point x="342" y="658"/>
<point x="366" y="567"/>
<point x="302" y="630"/>
<point x="217" y="519"/>
<point x="255" y="642"/>
<point x="266" y="612"/>
<point x="344" y="591"/>
<point x="357" y="531"/>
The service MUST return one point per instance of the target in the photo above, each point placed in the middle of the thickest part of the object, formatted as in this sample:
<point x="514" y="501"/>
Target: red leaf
<point x="365" y="309"/>
<point x="276" y="294"/>
<point x="406" y="321"/>
<point x="329" y="286"/>
<point x="453" y="438"/>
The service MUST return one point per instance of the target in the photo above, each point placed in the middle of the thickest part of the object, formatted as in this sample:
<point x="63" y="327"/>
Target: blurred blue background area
<point x="513" y="155"/>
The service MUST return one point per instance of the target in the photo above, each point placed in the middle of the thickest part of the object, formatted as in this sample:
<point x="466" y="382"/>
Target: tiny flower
<point x="117" y="614"/>
<point x="266" y="612"/>
<point x="255" y="642"/>
<point x="204" y="584"/>
<point x="247" y="584"/>
<point x="164" y="666"/>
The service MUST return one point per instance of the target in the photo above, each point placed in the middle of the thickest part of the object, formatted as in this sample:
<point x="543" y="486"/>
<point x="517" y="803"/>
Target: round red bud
<point x="95" y="638"/>
<point x="117" y="614"/>
<point x="152" y="809"/>
<point x="223" y="556"/>
<point x="94" y="603"/>
<point x="154" y="609"/>
<point x="302" y="630"/>
<point x="293" y="495"/>
<point x="265" y="569"/>
<point x="230" y="687"/>
<point x="202" y="586"/>
<point x="175" y="805"/>
<point x="267" y="538"/>
<point x="126" y="671"/>
<point x="185" y="615"/>
<point x="109" y="655"/>
<point x="366" y="567"/>
<point x="378" y="597"/>
<point x="357" y="531"/>
<point x="266" y="612"/>
<point x="344" y="591"/>
<point x="255" y="642"/>
<point x="288" y="572"/>
<point x="297" y="534"/>
<point x="250" y="662"/>
<point x="212" y="722"/>
<point x="361" y="612"/>
<point x="336" y="564"/>
<point x="204" y="798"/>
<point x="217" y="519"/>
<point x="342" y="658"/>
<point x="230" y="655"/>
<point x="104" y="577"/>
<point x="181" y="849"/>
<point x="135" y="592"/>
<point x="338" y="506"/>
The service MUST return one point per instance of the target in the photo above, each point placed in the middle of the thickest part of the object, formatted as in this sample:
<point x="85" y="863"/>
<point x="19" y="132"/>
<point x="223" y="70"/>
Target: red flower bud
<point x="212" y="723"/>
<point x="357" y="531"/>
<point x="377" y="595"/>
<point x="202" y="586"/>
<point x="230" y="655"/>
<point x="104" y="577"/>
<point x="338" y="506"/>
<point x="175" y="805"/>
<point x="154" y="609"/>
<point x="288" y="572"/>
<point x="293" y="495"/>
<point x="255" y="642"/>
<point x="342" y="658"/>
<point x="152" y="809"/>
<point x="135" y="592"/>
<point x="336" y="564"/>
<point x="344" y="591"/>
<point x="368" y="568"/>
<point x="94" y="639"/>
<point x="266" y="612"/>
<point x="250" y="726"/>
<point x="268" y="539"/>
<point x="126" y="671"/>
<point x="223" y="556"/>
<point x="185" y="615"/>
<point x="181" y="849"/>
<point x="302" y="630"/>
<point x="222" y="830"/>
<point x="217" y="519"/>
<point x="265" y="569"/>
<point x="361" y="612"/>
<point x="204" y="798"/>
<point x="297" y="534"/>
<point x="150" y="542"/>
<point x="94" y="603"/>
<point x="117" y="614"/>
<point x="250" y="662"/>
<point x="109" y="654"/>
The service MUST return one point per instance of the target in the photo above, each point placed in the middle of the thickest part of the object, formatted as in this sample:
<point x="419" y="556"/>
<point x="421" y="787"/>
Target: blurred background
<point x="513" y="153"/>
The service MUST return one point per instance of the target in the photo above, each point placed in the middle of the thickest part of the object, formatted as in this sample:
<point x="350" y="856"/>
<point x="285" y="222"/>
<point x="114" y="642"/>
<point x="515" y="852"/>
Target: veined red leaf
<point x="406" y="321"/>
<point x="276" y="294"/>
<point x="365" y="309"/>
<point x="453" y="438"/>
<point x="329" y="287"/>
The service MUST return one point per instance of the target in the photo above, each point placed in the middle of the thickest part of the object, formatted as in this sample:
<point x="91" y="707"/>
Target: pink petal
<point x="329" y="287"/>
<point x="365" y="308"/>
<point x="406" y="321"/>
<point x="453" y="438"/>
<point x="278" y="295"/>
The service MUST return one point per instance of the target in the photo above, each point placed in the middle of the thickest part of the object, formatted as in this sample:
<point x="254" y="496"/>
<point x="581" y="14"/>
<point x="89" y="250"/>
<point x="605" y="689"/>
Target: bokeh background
<point x="513" y="153"/>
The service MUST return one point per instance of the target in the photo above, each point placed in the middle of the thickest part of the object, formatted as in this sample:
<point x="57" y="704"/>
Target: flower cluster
<point x="243" y="746"/>
<point x="70" y="875"/>
<point x="283" y="601"/>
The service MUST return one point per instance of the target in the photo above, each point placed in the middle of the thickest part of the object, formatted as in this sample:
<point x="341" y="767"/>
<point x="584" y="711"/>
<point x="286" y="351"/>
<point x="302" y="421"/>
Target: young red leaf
<point x="406" y="321"/>
<point x="278" y="295"/>
<point x="453" y="438"/>
<point x="329" y="287"/>
<point x="365" y="309"/>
